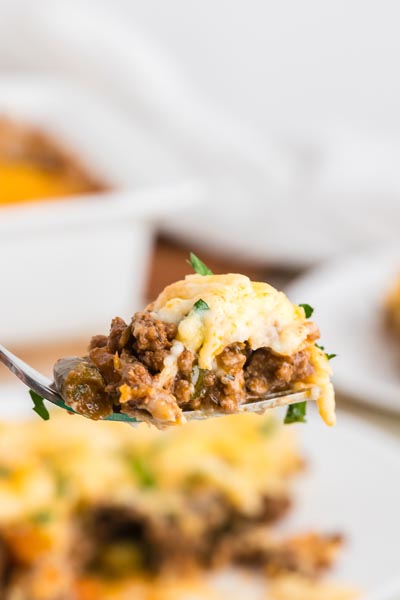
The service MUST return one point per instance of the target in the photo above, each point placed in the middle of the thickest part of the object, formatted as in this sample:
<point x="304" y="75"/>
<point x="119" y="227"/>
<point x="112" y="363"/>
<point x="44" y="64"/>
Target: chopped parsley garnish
<point x="328" y="356"/>
<point x="142" y="472"/>
<point x="62" y="484"/>
<point x="200" y="305"/>
<point x="296" y="413"/>
<point x="4" y="472"/>
<point x="199" y="385"/>
<point x="42" y="517"/>
<point x="198" y="265"/>
<point x="39" y="406"/>
<point x="308" y="310"/>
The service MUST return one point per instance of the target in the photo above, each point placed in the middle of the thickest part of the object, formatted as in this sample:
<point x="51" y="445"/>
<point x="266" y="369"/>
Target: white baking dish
<point x="68" y="266"/>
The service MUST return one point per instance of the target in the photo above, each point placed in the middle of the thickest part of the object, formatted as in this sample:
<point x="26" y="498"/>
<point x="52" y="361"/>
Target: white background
<point x="287" y="64"/>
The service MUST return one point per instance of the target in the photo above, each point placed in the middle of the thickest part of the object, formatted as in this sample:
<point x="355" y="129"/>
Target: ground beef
<point x="158" y="542"/>
<point x="307" y="554"/>
<point x="225" y="388"/>
<point x="118" y="335"/>
<point x="121" y="372"/>
<point x="104" y="531"/>
<point x="98" y="341"/>
<point x="186" y="361"/>
<point x="137" y="377"/>
<point x="182" y="391"/>
<point x="273" y="508"/>
<point x="226" y="394"/>
<point x="232" y="358"/>
<point x="266" y="372"/>
<point x="152" y="340"/>
<point x="183" y="387"/>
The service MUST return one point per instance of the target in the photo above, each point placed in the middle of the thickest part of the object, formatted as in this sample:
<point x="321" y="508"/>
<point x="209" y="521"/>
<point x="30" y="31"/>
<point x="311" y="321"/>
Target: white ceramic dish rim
<point x="97" y="208"/>
<point x="143" y="177"/>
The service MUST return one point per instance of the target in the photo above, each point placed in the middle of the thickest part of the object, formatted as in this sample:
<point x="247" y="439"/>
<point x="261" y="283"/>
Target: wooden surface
<point x="170" y="264"/>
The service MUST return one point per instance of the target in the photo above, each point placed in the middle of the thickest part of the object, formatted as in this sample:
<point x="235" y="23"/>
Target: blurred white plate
<point x="348" y="296"/>
<point x="55" y="257"/>
<point x="351" y="486"/>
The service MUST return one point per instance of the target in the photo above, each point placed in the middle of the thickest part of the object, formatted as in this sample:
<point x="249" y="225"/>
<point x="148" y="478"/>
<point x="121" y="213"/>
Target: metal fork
<point x="46" y="388"/>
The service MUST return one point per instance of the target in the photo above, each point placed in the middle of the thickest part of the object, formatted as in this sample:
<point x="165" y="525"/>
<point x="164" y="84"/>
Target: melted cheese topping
<point x="240" y="311"/>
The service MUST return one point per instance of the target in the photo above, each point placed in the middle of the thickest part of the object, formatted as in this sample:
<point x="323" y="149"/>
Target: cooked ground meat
<point x="107" y="534"/>
<point x="152" y="340"/>
<point x="118" y="333"/>
<point x="308" y="554"/>
<point x="232" y="358"/>
<point x="182" y="391"/>
<point x="186" y="360"/>
<point x="273" y="508"/>
<point x="121" y="374"/>
<point x="117" y="540"/>
<point x="267" y="372"/>
<point x="157" y="543"/>
<point x="98" y="341"/>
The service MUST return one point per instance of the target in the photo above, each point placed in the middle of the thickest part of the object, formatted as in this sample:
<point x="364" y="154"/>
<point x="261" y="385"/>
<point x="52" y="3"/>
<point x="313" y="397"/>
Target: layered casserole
<point x="100" y="511"/>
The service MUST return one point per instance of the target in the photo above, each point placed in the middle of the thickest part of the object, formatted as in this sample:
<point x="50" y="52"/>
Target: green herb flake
<point x="39" y="406"/>
<point x="200" y="305"/>
<point x="328" y="356"/>
<point x="308" y="310"/>
<point x="199" y="385"/>
<point x="142" y="472"/>
<point x="198" y="266"/>
<point x="62" y="484"/>
<point x="42" y="517"/>
<point x="5" y="472"/>
<point x="296" y="413"/>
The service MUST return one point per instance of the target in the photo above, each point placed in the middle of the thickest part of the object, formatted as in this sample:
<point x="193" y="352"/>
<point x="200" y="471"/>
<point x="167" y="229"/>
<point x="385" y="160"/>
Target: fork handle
<point x="29" y="376"/>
